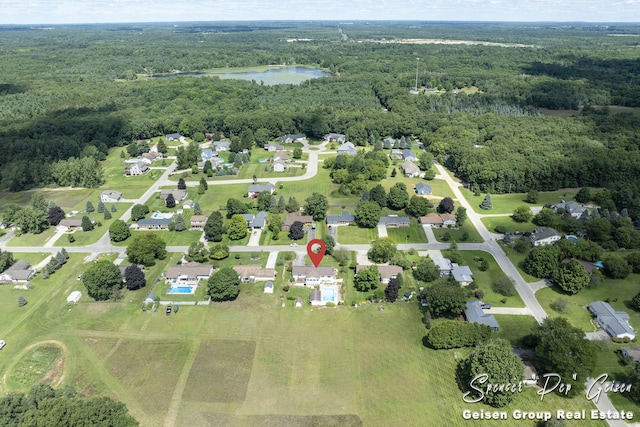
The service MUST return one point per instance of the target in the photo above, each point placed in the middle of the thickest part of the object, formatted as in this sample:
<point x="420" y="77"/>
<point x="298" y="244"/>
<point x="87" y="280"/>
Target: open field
<point x="506" y="203"/>
<point x="458" y="234"/>
<point x="491" y="222"/>
<point x="412" y="234"/>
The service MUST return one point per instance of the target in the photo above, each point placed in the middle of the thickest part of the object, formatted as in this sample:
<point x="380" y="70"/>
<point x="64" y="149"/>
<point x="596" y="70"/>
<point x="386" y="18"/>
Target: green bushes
<point x="454" y="334"/>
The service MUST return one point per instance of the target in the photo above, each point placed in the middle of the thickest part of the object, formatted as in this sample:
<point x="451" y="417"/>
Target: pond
<point x="270" y="77"/>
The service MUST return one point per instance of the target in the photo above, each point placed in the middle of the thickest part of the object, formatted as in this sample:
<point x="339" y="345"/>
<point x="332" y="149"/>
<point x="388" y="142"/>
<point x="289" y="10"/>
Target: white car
<point x="2" y="344"/>
<point x="294" y="245"/>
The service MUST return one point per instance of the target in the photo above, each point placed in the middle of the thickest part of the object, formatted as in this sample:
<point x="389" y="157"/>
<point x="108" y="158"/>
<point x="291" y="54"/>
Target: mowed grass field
<point x="247" y="362"/>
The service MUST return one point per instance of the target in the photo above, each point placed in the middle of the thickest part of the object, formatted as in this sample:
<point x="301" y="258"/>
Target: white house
<point x="139" y="168"/>
<point x="255" y="273"/>
<point x="110" y="196"/>
<point x="256" y="189"/>
<point x="268" y="287"/>
<point x="279" y="166"/>
<point x="188" y="274"/>
<point x="544" y="236"/>
<point x="308" y="275"/>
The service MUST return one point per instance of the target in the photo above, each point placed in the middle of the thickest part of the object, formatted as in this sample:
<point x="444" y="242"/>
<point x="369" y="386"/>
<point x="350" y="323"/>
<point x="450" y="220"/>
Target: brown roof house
<point x="438" y="220"/>
<point x="198" y="222"/>
<point x="387" y="272"/>
<point x="69" y="224"/>
<point x="254" y="273"/>
<point x="293" y="217"/>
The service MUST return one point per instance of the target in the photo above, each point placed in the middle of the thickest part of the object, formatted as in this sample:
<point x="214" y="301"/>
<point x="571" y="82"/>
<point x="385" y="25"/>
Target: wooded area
<point x="71" y="92"/>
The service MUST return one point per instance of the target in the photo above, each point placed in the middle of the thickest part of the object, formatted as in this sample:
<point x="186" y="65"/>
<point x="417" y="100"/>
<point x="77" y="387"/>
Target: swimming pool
<point x="181" y="290"/>
<point x="328" y="295"/>
<point x="160" y="215"/>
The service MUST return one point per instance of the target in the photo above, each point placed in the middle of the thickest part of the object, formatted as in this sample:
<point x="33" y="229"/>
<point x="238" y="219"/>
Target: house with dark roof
<point x="475" y="314"/>
<point x="544" y="236"/>
<point x="293" y="217"/>
<point x="178" y="195"/>
<point x="173" y="137"/>
<point x="188" y="273"/>
<point x="633" y="353"/>
<point x="110" y="196"/>
<point x="394" y="221"/>
<point x="154" y="223"/>
<point x="256" y="221"/>
<point x="423" y="189"/>
<point x="335" y="137"/>
<point x="572" y="207"/>
<point x="294" y="137"/>
<point x="410" y="169"/>
<point x="19" y="272"/>
<point x="462" y="274"/>
<point x="256" y="189"/>
<point x="345" y="218"/>
<point x="347" y="148"/>
<point x="254" y="273"/>
<point x="615" y="323"/>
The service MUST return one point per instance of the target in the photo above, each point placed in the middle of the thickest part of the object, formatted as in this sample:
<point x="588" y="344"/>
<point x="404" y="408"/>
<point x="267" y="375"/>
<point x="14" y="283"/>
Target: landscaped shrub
<point x="560" y="305"/>
<point x="454" y="334"/>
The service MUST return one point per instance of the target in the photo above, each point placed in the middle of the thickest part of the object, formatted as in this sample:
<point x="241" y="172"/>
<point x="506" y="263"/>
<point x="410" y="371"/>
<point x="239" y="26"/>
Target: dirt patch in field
<point x="55" y="375"/>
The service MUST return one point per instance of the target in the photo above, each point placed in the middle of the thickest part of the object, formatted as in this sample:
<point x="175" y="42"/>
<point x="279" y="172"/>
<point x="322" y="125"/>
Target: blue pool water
<point x="262" y="160"/>
<point x="180" y="290"/>
<point x="327" y="295"/>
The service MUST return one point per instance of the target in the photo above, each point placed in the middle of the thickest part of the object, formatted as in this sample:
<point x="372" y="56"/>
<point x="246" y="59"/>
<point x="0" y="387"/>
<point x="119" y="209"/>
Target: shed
<point x="268" y="287"/>
<point x="74" y="297"/>
<point x="298" y="302"/>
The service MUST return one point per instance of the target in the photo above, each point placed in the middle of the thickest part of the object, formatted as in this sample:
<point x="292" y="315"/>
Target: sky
<point x="103" y="11"/>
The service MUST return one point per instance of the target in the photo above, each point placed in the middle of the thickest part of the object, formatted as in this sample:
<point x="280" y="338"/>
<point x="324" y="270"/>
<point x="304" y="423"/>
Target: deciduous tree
<point x="237" y="227"/>
<point x="100" y="279"/>
<point x="296" y="231"/>
<point x="445" y="299"/>
<point x="367" y="279"/>
<point x="224" y="285"/>
<point x="316" y="205"/>
<point x="446" y="205"/>
<point x="572" y="276"/>
<point x="119" y="231"/>
<point x="214" y="227"/>
<point x="367" y="214"/>
<point x="382" y="250"/>
<point x="138" y="212"/>
<point x="134" y="278"/>
<point x="145" y="248"/>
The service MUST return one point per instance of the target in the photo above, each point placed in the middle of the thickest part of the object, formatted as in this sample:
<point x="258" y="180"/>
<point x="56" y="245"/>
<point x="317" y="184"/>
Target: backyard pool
<point x="328" y="295"/>
<point x="262" y="160"/>
<point x="160" y="215"/>
<point x="181" y="290"/>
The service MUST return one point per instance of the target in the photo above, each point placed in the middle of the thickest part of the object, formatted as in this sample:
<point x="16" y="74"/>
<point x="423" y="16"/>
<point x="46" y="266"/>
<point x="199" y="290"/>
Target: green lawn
<point x="517" y="259"/>
<point x="491" y="222"/>
<point x="457" y="234"/>
<point x="514" y="327"/>
<point x="413" y="234"/>
<point x="506" y="203"/>
<point x="356" y="235"/>
<point x="32" y="239"/>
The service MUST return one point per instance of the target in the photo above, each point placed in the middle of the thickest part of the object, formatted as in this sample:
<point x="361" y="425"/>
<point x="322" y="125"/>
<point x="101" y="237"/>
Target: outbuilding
<point x="74" y="297"/>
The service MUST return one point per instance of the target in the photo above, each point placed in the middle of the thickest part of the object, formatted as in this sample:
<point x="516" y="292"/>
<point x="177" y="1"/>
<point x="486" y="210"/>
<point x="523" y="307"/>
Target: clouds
<point x="86" y="11"/>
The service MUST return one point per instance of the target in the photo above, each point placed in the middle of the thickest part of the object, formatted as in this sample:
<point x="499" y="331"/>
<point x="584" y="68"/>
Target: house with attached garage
<point x="347" y="148"/>
<point x="110" y="196"/>
<point x="345" y="218"/>
<point x="174" y="137"/>
<point x="69" y="224"/>
<point x="387" y="272"/>
<point x="221" y="145"/>
<point x="19" y="272"/>
<point x="273" y="147"/>
<point x="254" y="273"/>
<point x="281" y="155"/>
<point x="154" y="223"/>
<point x="410" y="169"/>
<point x="423" y="189"/>
<point x="279" y="165"/>
<point x="544" y="236"/>
<point x="615" y="323"/>
<point x="573" y="208"/>
<point x="188" y="273"/>
<point x="438" y="220"/>
<point x="208" y="154"/>
<point x="475" y="314"/>
<point x="335" y="137"/>
<point x="294" y="137"/>
<point x="135" y="169"/>
<point x="256" y="189"/>
<point x="198" y="222"/>
<point x="293" y="217"/>
<point x="310" y="276"/>
<point x="256" y="221"/>
<point x="394" y="221"/>
<point x="409" y="155"/>
<point x="178" y="195"/>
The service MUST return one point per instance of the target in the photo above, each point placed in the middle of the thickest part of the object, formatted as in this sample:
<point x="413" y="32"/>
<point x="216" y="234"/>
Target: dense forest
<point x="72" y="92"/>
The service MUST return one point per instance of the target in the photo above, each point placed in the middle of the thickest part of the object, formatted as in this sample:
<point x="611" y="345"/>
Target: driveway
<point x="254" y="239"/>
<point x="428" y="231"/>
<point x="382" y="231"/>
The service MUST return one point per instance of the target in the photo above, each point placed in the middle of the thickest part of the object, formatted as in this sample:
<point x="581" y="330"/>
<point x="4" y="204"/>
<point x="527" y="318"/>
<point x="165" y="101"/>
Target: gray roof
<point x="293" y="137"/>
<point x="221" y="144"/>
<point x="259" y="220"/>
<point x="207" y="154"/>
<point x="408" y="154"/>
<point x="161" y="222"/>
<point x="462" y="273"/>
<point x="543" y="233"/>
<point x="315" y="295"/>
<point x="171" y="136"/>
<point x="422" y="188"/>
<point x="347" y="148"/>
<point x="343" y="217"/>
<point x="311" y="271"/>
<point x="20" y="270"/>
<point x="443" y="263"/>
<point x="475" y="314"/>
<point x="112" y="194"/>
<point x="394" y="220"/>
<point x="409" y="167"/>
<point x="259" y="188"/>
<point x="615" y="323"/>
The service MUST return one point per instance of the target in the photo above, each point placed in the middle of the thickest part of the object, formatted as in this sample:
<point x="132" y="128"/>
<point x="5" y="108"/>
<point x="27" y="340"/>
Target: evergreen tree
<point x="181" y="184"/>
<point x="282" y="205"/>
<point x="170" y="201"/>
<point x="100" y="206"/>
<point x="180" y="224"/>
<point x="113" y="208"/>
<point x="486" y="203"/>
<point x="203" y="183"/>
<point x="107" y="214"/>
<point x="87" y="225"/>
<point x="89" y="207"/>
<point x="197" y="210"/>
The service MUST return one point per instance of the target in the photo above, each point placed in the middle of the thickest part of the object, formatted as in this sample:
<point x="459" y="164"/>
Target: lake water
<point x="274" y="76"/>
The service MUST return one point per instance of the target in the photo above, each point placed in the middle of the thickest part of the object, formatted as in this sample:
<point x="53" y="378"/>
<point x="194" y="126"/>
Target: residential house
<point x="615" y="323"/>
<point x="256" y="221"/>
<point x="544" y="236"/>
<point x="335" y="137"/>
<point x="444" y="266"/>
<point x="633" y="353"/>
<point x="438" y="220"/>
<point x="208" y="136"/>
<point x="281" y="155"/>
<point x="293" y="217"/>
<point x="387" y="272"/>
<point x="573" y="208"/>
<point x="110" y="196"/>
<point x="154" y="224"/>
<point x="254" y="273"/>
<point x="389" y="142"/>
<point x="308" y="275"/>
<point x="279" y="165"/>
<point x="423" y="189"/>
<point x="394" y="221"/>
<point x="188" y="273"/>
<point x="396" y="154"/>
<point x="268" y="287"/>
<point x="462" y="274"/>
<point x="208" y="154"/>
<point x="256" y="189"/>
<point x="178" y="195"/>
<point x="475" y="314"/>
<point x="69" y="224"/>
<point x="221" y="145"/>
<point x="150" y="157"/>
<point x="187" y="204"/>
<point x="19" y="272"/>
<point x="273" y="147"/>
<point x="345" y="218"/>
<point x="410" y="169"/>
<point x="296" y="137"/>
<point x="409" y="155"/>
<point x="347" y="148"/>
<point x="174" y="137"/>
<point x="135" y="169"/>
<point x="198" y="222"/>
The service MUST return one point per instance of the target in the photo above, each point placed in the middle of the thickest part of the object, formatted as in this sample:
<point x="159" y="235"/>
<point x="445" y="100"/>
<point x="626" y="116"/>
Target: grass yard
<point x="458" y="234"/>
<point x="491" y="222"/>
<point x="37" y="364"/>
<point x="517" y="258"/>
<point x="514" y="327"/>
<point x="413" y="234"/>
<point x="356" y="235"/>
<point x="32" y="239"/>
<point x="506" y="203"/>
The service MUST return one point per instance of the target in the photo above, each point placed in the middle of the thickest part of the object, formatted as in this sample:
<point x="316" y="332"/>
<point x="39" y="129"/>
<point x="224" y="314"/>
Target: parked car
<point x="294" y="245"/>
<point x="485" y="306"/>
<point x="2" y="344"/>
<point x="168" y="310"/>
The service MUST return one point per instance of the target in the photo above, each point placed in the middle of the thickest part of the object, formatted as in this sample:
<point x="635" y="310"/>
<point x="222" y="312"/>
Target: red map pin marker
<point x="316" y="249"/>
